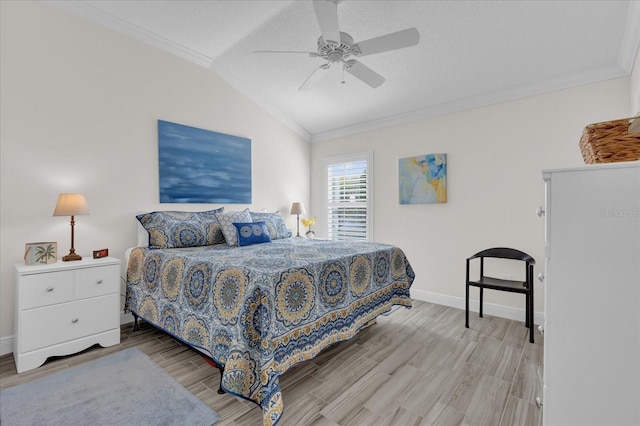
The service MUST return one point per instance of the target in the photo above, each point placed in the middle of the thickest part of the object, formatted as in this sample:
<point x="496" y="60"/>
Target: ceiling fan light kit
<point x="336" y="47"/>
<point x="334" y="51"/>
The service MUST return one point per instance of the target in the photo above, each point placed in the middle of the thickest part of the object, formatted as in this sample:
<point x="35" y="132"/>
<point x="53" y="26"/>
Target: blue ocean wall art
<point x="203" y="166"/>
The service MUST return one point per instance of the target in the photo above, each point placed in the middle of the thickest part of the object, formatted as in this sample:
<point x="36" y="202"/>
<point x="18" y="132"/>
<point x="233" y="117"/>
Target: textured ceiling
<point x="471" y="53"/>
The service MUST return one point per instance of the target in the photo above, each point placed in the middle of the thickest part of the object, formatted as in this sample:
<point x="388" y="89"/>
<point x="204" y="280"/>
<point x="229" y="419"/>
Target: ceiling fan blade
<point x="364" y="73"/>
<point x="327" y="14"/>
<point x="321" y="67"/>
<point x="397" y="40"/>
<point x="312" y="54"/>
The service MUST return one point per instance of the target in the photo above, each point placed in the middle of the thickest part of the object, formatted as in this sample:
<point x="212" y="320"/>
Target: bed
<point x="257" y="310"/>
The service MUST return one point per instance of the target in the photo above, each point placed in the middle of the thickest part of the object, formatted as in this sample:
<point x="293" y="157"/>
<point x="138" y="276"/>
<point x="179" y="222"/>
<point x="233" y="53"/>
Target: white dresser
<point x="592" y="296"/>
<point x="65" y="307"/>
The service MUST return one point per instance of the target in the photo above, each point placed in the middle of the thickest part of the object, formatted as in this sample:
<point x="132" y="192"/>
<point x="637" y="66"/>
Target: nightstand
<point x="63" y="308"/>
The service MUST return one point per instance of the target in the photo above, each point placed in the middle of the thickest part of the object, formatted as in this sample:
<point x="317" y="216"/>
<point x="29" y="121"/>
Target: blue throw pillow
<point x="178" y="229"/>
<point x="252" y="233"/>
<point x="226" y="220"/>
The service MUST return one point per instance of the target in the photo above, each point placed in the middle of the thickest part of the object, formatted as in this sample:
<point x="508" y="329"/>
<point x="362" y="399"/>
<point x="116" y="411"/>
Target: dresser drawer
<point x="46" y="289"/>
<point x="91" y="282"/>
<point x="64" y="307"/>
<point x="67" y="321"/>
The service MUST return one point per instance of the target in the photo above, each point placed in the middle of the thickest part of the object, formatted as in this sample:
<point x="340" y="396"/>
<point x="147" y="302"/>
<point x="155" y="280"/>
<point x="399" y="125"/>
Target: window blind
<point x="348" y="198"/>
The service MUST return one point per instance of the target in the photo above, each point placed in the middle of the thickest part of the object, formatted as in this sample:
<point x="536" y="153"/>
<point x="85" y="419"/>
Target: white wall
<point x="79" y="110"/>
<point x="78" y="113"/>
<point x="635" y="86"/>
<point x="495" y="156"/>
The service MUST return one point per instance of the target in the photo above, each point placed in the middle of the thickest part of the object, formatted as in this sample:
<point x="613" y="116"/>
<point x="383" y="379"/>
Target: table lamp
<point x="71" y="205"/>
<point x="297" y="209"/>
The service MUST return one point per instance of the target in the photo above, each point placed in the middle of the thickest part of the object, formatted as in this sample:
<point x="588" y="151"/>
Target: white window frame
<point x="363" y="156"/>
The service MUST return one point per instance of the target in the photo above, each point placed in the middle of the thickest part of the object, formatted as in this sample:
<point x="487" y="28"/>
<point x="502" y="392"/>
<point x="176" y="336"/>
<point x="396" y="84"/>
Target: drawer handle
<point x="540" y="211"/>
<point x="99" y="281"/>
<point x="75" y="320"/>
<point x="50" y="289"/>
<point x="539" y="402"/>
<point x="541" y="277"/>
<point x="541" y="330"/>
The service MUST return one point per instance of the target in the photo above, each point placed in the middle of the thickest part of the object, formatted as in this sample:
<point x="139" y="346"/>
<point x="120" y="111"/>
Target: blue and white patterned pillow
<point x="178" y="229"/>
<point x="252" y="233"/>
<point x="275" y="224"/>
<point x="226" y="220"/>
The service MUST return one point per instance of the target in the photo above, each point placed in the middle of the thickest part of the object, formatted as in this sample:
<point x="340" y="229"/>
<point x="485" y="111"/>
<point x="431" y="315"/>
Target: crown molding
<point x="228" y="78"/>
<point x="97" y="16"/>
<point x="628" y="50"/>
<point x="511" y="94"/>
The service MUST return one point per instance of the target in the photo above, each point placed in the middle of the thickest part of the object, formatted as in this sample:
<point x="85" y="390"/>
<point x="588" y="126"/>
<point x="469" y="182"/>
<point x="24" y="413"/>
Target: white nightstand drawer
<point x="67" y="321"/>
<point x="46" y="289"/>
<point x="91" y="282"/>
<point x="63" y="308"/>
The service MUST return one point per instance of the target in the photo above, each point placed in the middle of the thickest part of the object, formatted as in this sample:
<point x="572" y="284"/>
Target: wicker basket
<point x="610" y="141"/>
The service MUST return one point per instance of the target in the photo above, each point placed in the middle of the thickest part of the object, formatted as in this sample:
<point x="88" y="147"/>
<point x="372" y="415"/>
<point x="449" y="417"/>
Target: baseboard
<point x="501" y="311"/>
<point x="6" y="343"/>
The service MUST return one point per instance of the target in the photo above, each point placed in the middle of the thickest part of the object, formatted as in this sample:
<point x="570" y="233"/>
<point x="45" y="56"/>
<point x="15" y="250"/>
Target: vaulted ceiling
<point x="470" y="53"/>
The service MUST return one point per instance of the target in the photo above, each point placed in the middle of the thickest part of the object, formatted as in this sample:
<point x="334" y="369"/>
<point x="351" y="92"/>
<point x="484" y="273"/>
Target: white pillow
<point x="143" y="235"/>
<point x="226" y="220"/>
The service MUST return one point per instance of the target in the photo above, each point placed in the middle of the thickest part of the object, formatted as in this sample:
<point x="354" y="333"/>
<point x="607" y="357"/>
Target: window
<point x="349" y="197"/>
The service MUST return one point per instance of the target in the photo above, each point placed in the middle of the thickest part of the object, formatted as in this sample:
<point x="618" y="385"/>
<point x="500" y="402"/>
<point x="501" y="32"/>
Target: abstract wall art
<point x="202" y="166"/>
<point x="423" y="179"/>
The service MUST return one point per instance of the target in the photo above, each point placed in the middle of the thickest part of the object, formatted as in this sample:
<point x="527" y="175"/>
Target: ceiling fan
<point x="337" y="47"/>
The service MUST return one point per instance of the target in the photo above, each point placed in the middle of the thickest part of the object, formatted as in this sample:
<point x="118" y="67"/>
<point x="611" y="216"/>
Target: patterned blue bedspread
<point x="258" y="310"/>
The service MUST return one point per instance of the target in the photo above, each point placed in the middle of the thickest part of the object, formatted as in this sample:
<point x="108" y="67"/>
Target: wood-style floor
<point x="414" y="367"/>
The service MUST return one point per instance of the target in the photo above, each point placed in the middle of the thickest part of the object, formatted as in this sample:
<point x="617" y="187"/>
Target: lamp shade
<point x="71" y="205"/>
<point x="297" y="208"/>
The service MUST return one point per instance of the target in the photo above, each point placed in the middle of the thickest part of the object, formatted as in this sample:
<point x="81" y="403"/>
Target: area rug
<point x="126" y="388"/>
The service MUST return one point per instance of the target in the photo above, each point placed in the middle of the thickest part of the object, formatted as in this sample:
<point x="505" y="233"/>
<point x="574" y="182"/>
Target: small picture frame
<point x="42" y="253"/>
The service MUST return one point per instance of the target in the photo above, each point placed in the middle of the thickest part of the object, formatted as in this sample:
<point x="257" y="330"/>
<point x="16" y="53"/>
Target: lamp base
<point x="71" y="256"/>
